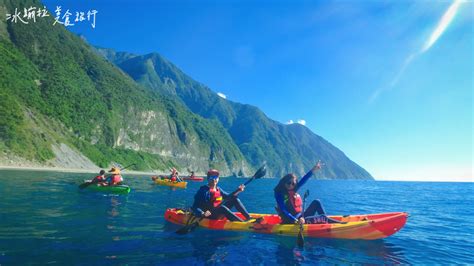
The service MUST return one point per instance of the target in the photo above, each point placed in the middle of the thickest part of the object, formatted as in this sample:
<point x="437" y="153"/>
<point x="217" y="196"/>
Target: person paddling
<point x="174" y="177"/>
<point x="289" y="202"/>
<point x="100" y="179"/>
<point x="115" y="178"/>
<point x="209" y="198"/>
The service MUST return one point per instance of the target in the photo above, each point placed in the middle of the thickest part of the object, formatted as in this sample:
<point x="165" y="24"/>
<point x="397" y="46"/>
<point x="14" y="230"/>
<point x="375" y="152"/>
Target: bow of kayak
<point x="368" y="226"/>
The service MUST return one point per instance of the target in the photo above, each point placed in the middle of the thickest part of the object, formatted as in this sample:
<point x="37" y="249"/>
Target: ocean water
<point x="45" y="219"/>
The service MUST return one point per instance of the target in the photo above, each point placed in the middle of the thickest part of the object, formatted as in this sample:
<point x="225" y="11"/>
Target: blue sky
<point x="390" y="83"/>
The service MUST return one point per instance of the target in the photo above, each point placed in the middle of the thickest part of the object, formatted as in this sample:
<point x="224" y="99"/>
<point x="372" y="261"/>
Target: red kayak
<point x="194" y="178"/>
<point x="361" y="226"/>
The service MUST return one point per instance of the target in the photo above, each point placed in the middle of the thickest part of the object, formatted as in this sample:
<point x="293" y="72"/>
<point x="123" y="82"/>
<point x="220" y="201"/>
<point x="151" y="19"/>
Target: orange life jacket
<point x="216" y="197"/>
<point x="294" y="202"/>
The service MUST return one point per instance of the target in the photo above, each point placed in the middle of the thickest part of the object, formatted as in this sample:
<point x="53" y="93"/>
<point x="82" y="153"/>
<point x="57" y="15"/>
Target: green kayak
<point x="120" y="189"/>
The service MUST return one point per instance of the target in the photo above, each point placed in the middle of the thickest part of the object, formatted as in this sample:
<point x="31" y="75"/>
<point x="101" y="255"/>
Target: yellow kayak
<point x="167" y="182"/>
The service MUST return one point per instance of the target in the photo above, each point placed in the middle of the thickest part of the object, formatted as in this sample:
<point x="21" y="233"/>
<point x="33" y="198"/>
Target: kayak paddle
<point x="300" y="239"/>
<point x="191" y="226"/>
<point x="86" y="184"/>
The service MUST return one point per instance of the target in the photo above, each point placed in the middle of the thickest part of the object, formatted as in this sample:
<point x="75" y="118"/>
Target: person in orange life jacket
<point x="115" y="178"/>
<point x="289" y="202"/>
<point x="208" y="199"/>
<point x="100" y="179"/>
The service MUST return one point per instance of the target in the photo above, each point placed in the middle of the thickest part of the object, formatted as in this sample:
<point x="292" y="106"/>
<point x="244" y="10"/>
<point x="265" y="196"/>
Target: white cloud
<point x="440" y="28"/>
<point x="442" y="24"/>
<point x="394" y="80"/>
<point x="301" y="122"/>
<point x="222" y="95"/>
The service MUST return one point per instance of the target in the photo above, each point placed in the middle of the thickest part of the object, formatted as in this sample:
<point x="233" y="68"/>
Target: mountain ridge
<point x="59" y="97"/>
<point x="261" y="135"/>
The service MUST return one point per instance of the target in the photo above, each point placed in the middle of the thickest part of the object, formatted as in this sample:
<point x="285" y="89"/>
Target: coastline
<point x="72" y="170"/>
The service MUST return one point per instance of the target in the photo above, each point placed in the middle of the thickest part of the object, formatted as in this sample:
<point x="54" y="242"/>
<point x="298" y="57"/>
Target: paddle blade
<point x="262" y="171"/>
<point x="188" y="228"/>
<point x="183" y="230"/>
<point x="300" y="240"/>
<point x="84" y="185"/>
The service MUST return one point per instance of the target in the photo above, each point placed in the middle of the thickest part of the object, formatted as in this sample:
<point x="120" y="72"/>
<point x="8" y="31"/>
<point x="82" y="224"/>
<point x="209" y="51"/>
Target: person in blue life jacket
<point x="289" y="202"/>
<point x="214" y="203"/>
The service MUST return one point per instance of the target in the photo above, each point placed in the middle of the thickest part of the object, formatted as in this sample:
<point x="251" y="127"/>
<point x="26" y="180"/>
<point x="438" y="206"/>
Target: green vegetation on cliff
<point x="46" y="71"/>
<point x="55" y="89"/>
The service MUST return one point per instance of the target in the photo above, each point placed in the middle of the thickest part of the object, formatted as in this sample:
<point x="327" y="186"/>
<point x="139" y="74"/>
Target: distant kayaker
<point x="100" y="179"/>
<point x="174" y="177"/>
<point x="115" y="178"/>
<point x="289" y="202"/>
<point x="209" y="198"/>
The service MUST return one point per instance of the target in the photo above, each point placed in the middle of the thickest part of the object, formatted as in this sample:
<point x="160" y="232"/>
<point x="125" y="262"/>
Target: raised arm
<point x="305" y="178"/>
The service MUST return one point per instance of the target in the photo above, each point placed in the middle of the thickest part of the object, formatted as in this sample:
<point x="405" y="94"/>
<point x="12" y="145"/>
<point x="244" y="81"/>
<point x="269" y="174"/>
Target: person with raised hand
<point x="289" y="202"/>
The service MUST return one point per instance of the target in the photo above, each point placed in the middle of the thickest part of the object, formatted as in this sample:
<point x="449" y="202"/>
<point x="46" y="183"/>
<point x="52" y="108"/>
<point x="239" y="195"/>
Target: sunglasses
<point x="214" y="177"/>
<point x="291" y="183"/>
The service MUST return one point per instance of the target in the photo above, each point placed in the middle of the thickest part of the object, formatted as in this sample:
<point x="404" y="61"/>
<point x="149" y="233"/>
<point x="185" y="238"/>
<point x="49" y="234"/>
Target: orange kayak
<point x="366" y="226"/>
<point x="167" y="182"/>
